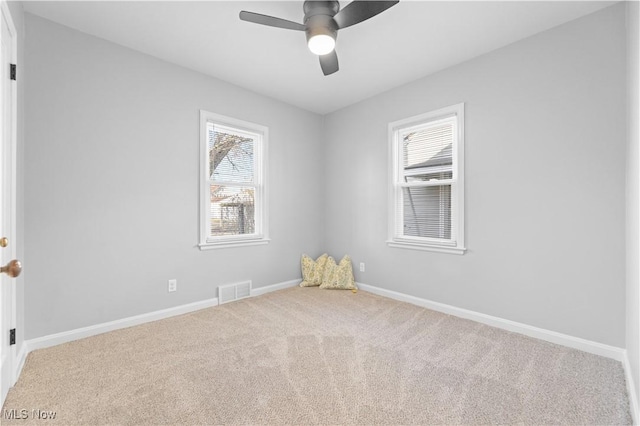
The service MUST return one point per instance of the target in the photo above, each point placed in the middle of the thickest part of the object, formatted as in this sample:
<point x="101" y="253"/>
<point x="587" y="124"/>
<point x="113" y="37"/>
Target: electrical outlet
<point x="173" y="285"/>
<point x="361" y="266"/>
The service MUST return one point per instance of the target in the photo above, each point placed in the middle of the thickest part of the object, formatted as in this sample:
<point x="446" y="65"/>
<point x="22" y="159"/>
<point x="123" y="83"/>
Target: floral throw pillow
<point x="312" y="270"/>
<point x="340" y="276"/>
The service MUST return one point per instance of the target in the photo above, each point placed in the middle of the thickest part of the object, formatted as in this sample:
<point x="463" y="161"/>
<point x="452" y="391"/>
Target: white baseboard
<point x="280" y="286"/>
<point x="80" y="333"/>
<point x="20" y="360"/>
<point x="516" y="327"/>
<point x="631" y="389"/>
<point x="93" y="330"/>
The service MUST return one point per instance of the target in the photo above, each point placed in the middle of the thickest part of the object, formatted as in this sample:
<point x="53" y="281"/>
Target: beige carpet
<point x="301" y="356"/>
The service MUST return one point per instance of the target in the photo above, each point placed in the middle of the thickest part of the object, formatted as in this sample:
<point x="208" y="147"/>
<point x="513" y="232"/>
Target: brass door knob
<point x="4" y="241"/>
<point x="12" y="268"/>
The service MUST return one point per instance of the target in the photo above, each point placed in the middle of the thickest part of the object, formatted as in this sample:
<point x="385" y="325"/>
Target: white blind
<point x="425" y="180"/>
<point x="427" y="212"/>
<point x="232" y="180"/>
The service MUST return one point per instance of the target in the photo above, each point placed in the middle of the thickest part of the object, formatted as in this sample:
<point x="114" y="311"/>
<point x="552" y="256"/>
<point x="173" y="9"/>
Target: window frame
<point x="260" y="236"/>
<point x="455" y="245"/>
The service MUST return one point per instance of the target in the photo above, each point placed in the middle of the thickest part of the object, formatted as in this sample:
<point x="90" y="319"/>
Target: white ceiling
<point x="408" y="41"/>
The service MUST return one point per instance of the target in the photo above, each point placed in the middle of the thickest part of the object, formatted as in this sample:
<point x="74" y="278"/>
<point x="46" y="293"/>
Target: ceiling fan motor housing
<point x="321" y="25"/>
<point x="318" y="18"/>
<point x="320" y="8"/>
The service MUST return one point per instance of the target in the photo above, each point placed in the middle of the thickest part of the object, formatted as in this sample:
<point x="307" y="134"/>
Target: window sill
<point x="426" y="247"/>
<point x="229" y="244"/>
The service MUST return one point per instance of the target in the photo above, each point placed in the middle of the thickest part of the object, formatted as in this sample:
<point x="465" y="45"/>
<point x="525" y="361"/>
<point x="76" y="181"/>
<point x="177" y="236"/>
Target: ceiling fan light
<point x="321" y="44"/>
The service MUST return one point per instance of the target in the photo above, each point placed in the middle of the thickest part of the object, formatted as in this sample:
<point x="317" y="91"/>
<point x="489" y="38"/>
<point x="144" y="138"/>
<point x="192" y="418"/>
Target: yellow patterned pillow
<point x="339" y="277"/>
<point x="312" y="271"/>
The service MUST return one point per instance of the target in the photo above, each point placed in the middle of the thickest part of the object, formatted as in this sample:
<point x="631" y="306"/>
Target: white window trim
<point x="456" y="246"/>
<point x="262" y="218"/>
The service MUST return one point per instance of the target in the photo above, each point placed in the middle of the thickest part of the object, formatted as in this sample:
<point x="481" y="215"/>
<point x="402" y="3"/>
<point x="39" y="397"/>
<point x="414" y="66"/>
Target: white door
<point x="10" y="267"/>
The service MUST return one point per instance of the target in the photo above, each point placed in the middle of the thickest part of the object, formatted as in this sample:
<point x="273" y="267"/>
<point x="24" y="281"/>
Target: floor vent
<point x="230" y="292"/>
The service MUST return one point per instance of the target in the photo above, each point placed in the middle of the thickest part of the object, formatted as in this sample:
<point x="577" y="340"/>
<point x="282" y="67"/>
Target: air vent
<point x="230" y="292"/>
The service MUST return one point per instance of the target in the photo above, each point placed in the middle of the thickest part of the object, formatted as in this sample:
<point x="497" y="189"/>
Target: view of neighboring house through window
<point x="426" y="200"/>
<point x="233" y="190"/>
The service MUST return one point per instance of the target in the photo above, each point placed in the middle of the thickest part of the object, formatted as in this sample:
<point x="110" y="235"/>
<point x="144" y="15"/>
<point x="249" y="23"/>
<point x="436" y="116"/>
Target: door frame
<point x="9" y="158"/>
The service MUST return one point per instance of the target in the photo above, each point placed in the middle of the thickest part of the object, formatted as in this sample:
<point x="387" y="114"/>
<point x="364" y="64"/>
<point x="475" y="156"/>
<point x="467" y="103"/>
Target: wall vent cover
<point x="231" y="292"/>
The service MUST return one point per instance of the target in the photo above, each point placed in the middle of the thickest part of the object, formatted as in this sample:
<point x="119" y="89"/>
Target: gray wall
<point x="111" y="183"/>
<point x="633" y="195"/>
<point x="545" y="182"/>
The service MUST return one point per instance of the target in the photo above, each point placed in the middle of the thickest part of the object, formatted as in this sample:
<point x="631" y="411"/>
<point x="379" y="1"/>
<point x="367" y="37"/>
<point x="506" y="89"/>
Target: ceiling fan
<point x="322" y="20"/>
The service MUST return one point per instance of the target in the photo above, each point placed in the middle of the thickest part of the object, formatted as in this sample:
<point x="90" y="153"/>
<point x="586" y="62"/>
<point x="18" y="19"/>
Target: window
<point x="232" y="188"/>
<point x="426" y="197"/>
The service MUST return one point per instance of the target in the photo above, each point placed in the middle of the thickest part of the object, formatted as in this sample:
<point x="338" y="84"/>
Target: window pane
<point x="232" y="210"/>
<point x="427" y="211"/>
<point x="428" y="151"/>
<point x="230" y="155"/>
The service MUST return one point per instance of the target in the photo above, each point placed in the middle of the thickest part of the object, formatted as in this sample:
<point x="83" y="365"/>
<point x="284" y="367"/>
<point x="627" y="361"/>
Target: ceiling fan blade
<point x="329" y="62"/>
<point x="271" y="21"/>
<point x="358" y="11"/>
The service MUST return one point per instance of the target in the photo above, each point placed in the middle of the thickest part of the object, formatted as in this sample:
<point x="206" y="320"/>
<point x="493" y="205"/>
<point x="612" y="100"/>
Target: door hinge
<point x="13" y="71"/>
<point x="12" y="336"/>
